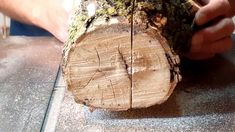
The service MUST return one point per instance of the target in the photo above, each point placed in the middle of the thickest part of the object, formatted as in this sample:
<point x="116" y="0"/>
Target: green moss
<point x="112" y="11"/>
<point x="114" y="8"/>
<point x="107" y="12"/>
<point x="145" y="6"/>
<point x="76" y="26"/>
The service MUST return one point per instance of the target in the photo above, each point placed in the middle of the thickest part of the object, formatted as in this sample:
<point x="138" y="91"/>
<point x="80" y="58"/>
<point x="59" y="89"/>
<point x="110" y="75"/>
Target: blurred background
<point x="4" y="25"/>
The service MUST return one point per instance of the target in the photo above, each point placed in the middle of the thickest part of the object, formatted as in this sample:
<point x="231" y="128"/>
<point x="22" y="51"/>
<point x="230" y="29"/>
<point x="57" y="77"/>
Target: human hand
<point x="54" y="16"/>
<point x="215" y="38"/>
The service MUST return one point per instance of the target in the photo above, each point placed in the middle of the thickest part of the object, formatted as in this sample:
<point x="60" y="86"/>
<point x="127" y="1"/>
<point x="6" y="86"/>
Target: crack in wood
<point x="114" y="95"/>
<point x="125" y="62"/>
<point x="99" y="70"/>
<point x="98" y="55"/>
<point x="92" y="77"/>
<point x="102" y="94"/>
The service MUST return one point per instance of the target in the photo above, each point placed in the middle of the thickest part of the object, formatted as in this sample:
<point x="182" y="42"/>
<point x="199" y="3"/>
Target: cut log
<point x="113" y="63"/>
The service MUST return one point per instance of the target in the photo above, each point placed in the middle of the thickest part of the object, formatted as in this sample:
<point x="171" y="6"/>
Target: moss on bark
<point x="174" y="19"/>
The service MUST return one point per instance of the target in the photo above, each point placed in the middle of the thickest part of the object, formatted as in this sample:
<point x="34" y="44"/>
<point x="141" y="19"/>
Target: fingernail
<point x="196" y="43"/>
<point x="200" y="18"/>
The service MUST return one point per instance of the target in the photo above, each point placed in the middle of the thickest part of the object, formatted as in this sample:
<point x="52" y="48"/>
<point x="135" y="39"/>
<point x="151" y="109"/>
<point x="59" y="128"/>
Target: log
<point x="124" y="55"/>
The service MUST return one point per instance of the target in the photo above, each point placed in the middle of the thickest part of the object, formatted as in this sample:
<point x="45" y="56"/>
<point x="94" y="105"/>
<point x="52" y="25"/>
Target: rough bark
<point x="105" y="67"/>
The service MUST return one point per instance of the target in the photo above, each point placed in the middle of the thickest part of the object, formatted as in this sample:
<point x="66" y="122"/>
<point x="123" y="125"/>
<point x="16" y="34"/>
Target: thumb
<point x="212" y="10"/>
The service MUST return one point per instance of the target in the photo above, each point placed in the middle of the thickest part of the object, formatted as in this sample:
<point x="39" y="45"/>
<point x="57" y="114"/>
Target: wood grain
<point x="98" y="69"/>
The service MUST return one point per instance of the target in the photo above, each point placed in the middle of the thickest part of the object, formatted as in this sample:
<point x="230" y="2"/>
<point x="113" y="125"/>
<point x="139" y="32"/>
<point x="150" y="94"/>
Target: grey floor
<point x="28" y="69"/>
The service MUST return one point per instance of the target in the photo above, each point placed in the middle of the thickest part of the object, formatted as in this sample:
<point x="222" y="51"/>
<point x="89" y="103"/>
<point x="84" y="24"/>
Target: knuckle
<point x="223" y="4"/>
<point x="229" y="25"/>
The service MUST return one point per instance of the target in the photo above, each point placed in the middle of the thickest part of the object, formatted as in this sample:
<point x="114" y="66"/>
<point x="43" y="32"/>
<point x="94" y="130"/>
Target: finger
<point x="200" y="56"/>
<point x="221" y="29"/>
<point x="69" y="5"/>
<point x="219" y="46"/>
<point x="62" y="36"/>
<point x="212" y="10"/>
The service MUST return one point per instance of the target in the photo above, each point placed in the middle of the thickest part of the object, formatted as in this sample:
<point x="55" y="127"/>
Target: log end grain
<point x="98" y="69"/>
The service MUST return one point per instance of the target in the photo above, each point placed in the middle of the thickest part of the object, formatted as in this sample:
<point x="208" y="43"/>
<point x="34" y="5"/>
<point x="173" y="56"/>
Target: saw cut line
<point x="132" y="44"/>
